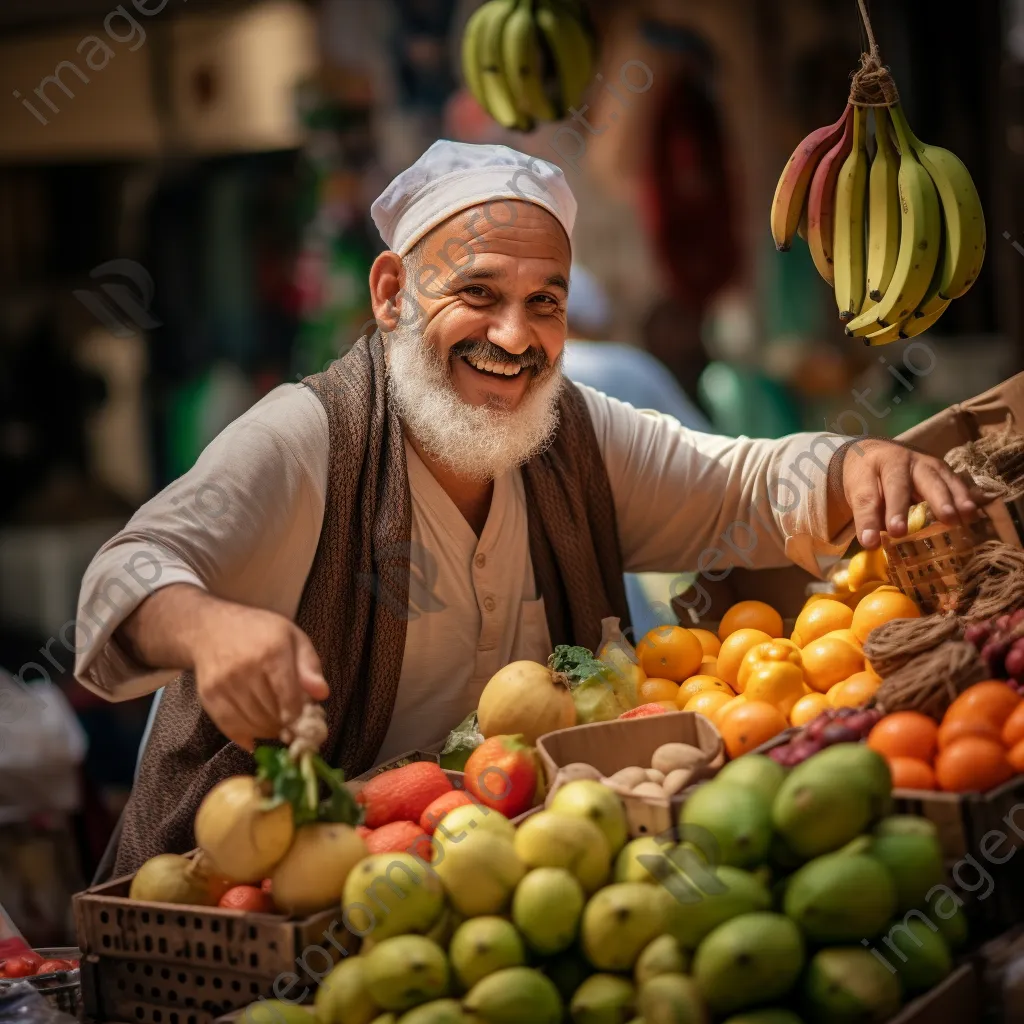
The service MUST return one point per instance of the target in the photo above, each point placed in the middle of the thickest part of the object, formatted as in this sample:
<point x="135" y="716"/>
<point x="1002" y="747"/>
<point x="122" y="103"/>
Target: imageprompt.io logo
<point x="122" y="309"/>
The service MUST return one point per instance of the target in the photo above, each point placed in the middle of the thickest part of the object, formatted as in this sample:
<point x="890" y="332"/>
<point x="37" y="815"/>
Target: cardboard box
<point x="954" y="1001"/>
<point x="786" y="589"/>
<point x="611" y="746"/>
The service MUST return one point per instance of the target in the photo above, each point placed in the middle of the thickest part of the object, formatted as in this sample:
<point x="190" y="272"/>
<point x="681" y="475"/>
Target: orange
<point x="955" y="728"/>
<point x="829" y="660"/>
<point x="991" y="700"/>
<point x="807" y="708"/>
<point x="905" y="734"/>
<point x="846" y="635"/>
<point x="972" y="764"/>
<point x="668" y="705"/>
<point x="772" y="650"/>
<point x="1016" y="757"/>
<point x="746" y="726"/>
<point x="1013" y="727"/>
<point x="870" y="669"/>
<point x="750" y="615"/>
<point x="735" y="702"/>
<point x="707" y="703"/>
<point x="882" y="606"/>
<point x="860" y="593"/>
<point x="853" y="692"/>
<point x="734" y="647"/>
<point x="708" y="667"/>
<point x="867" y="567"/>
<point x="652" y="690"/>
<point x="822" y="597"/>
<point x="701" y="684"/>
<point x="670" y="652"/>
<point x="247" y="897"/>
<point x="796" y="638"/>
<point x="709" y="643"/>
<point x="911" y="773"/>
<point x="820" y="618"/>
<point x="779" y="683"/>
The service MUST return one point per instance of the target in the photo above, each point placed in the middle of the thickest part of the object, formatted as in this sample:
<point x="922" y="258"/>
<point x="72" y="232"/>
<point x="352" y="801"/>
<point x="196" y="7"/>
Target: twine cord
<point x="872" y="84"/>
<point x="892" y="646"/>
<point x="933" y="680"/>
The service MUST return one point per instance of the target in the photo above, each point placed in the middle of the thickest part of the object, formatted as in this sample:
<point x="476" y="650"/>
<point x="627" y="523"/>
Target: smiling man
<point x="439" y="502"/>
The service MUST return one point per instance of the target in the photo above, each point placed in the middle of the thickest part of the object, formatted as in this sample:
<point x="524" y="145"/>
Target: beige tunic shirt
<point x="244" y="525"/>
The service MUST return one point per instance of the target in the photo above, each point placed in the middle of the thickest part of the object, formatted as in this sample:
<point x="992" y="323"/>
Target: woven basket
<point x="926" y="565"/>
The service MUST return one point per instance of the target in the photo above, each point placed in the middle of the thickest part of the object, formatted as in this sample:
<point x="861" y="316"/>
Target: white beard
<point x="478" y="442"/>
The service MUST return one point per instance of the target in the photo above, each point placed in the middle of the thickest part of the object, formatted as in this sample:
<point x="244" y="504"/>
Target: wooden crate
<point x="161" y="963"/>
<point x="954" y="1001"/>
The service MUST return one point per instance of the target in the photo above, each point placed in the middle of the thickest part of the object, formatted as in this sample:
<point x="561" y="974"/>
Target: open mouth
<point x="493" y="369"/>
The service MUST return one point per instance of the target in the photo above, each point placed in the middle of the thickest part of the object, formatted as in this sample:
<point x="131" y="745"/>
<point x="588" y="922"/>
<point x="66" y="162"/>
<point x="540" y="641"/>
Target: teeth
<point x="500" y="369"/>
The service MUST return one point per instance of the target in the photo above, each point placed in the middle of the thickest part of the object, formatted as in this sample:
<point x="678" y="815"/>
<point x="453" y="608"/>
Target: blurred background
<point x="184" y="225"/>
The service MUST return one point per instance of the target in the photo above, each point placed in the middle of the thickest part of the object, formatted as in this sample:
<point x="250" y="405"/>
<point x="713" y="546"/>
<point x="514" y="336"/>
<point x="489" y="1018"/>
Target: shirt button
<point x="480" y="561"/>
<point x="489" y="604"/>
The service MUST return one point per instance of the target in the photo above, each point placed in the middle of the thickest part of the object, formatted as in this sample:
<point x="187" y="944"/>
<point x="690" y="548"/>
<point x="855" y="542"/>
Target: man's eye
<point x="476" y="291"/>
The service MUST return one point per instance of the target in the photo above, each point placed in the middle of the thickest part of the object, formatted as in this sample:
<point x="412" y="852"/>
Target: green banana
<point x="883" y="210"/>
<point x="920" y="242"/>
<point x="848" y="245"/>
<point x="569" y="44"/>
<point x="470" y="52"/>
<point x="963" y="215"/>
<point x="521" y="55"/>
<point x="497" y="96"/>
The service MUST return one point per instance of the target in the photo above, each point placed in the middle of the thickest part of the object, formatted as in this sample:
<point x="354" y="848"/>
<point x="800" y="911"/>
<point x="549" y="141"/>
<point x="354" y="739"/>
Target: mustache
<point x="531" y="359"/>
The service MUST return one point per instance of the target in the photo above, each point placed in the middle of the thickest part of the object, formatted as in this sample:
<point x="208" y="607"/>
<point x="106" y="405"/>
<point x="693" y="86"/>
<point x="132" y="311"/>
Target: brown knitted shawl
<point x="354" y="606"/>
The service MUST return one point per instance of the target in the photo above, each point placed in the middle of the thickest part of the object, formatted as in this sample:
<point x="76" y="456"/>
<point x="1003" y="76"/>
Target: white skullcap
<point x="453" y="176"/>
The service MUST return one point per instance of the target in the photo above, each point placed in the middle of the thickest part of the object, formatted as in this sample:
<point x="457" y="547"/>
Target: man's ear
<point x="386" y="276"/>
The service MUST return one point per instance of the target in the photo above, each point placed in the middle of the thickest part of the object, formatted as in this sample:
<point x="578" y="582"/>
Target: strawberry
<point x="643" y="711"/>
<point x="402" y="794"/>
<point x="400" y="837"/>
<point x="440" y="807"/>
<point x="502" y="774"/>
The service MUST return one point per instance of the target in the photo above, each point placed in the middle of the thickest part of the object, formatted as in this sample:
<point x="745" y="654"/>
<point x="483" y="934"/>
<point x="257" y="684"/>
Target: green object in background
<point x="741" y="400"/>
<point x="184" y="432"/>
<point x="794" y="304"/>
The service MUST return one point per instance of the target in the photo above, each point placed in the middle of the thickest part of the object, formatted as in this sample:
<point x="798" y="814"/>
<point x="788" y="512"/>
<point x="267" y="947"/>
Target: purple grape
<point x="978" y="633"/>
<point x="782" y="754"/>
<point x="803" y="749"/>
<point x="1002" y="623"/>
<point x="816" y="726"/>
<point x="994" y="655"/>
<point x="839" y="733"/>
<point x="844" y="713"/>
<point x="862" y="723"/>
<point x="1014" y="661"/>
<point x="1016" y="618"/>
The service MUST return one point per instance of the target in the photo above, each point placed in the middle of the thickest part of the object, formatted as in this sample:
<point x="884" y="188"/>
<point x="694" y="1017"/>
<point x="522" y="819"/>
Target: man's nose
<point x="509" y="330"/>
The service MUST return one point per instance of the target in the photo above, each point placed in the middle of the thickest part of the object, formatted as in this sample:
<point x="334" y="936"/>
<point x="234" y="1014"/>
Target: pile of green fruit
<point x="763" y="910"/>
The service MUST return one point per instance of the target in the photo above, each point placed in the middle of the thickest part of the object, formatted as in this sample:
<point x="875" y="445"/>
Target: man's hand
<point x="880" y="481"/>
<point x="254" y="669"/>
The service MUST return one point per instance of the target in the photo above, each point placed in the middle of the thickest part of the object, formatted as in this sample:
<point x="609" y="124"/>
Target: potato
<point x="649" y="789"/>
<point x="670" y="756"/>
<point x="578" y="770"/>
<point x="627" y="778"/>
<point x="653" y="775"/>
<point x="676" y="781"/>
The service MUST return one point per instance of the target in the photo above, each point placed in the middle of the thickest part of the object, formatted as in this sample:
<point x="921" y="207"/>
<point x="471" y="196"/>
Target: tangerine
<point x="905" y="734"/>
<point x="882" y="606"/>
<point x="768" y="651"/>
<point x="911" y="773"/>
<point x="829" y="660"/>
<point x="867" y="567"/>
<point x="701" y="684"/>
<point x="734" y="649"/>
<point x="708" y="667"/>
<point x="853" y="692"/>
<point x="1013" y="727"/>
<point x="853" y="599"/>
<point x="707" y="703"/>
<point x="744" y="727"/>
<point x="807" y="708"/>
<point x="655" y="689"/>
<point x="750" y="615"/>
<point x="991" y="700"/>
<point x="735" y="702"/>
<point x="708" y="641"/>
<point x="820" y="618"/>
<point x="1016" y="757"/>
<point x="251" y="898"/>
<point x="846" y="635"/>
<point x="779" y="683"/>
<point x="972" y="764"/>
<point x="955" y="728"/>
<point x="670" y="652"/>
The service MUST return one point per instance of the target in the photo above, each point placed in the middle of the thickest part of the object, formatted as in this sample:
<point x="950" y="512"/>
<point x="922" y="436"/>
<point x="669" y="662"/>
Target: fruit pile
<point x="897" y="234"/>
<point x="32" y="965"/>
<point x="978" y="745"/>
<point x="1001" y="650"/>
<point x="835" y="725"/>
<point x="526" y="61"/>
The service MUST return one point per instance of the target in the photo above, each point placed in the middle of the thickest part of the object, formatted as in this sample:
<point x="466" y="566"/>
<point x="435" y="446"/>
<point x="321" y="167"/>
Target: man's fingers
<point x="231" y="720"/>
<point x="282" y="671"/>
<point x="933" y="487"/>
<point x="311" y="673"/>
<point x="866" y="504"/>
<point x="897" y="490"/>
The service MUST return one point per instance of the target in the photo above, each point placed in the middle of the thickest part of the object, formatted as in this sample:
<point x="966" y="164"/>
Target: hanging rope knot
<point x="892" y="646"/>
<point x="995" y="461"/>
<point x="872" y="84"/>
<point x="992" y="582"/>
<point x="931" y="682"/>
<point x="307" y="734"/>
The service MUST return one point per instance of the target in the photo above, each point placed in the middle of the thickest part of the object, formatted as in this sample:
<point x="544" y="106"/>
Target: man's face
<point x="491" y="286"/>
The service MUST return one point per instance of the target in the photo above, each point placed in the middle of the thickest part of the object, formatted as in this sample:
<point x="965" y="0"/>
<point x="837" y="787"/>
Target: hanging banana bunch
<point x="527" y="61"/>
<point x="897" y="235"/>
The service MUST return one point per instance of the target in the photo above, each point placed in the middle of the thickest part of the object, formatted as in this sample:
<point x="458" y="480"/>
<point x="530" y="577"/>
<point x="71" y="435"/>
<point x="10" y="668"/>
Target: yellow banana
<point x="848" y="246"/>
<point x="570" y="46"/>
<point x="963" y="215"/>
<point x="471" y="51"/>
<point x="920" y="242"/>
<point x="909" y="328"/>
<point x="883" y="209"/>
<point x="523" y="67"/>
<point x="498" y="99"/>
